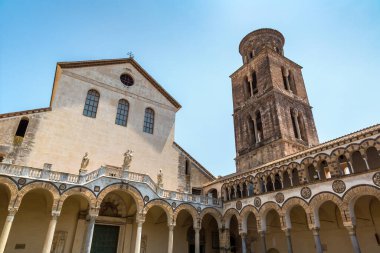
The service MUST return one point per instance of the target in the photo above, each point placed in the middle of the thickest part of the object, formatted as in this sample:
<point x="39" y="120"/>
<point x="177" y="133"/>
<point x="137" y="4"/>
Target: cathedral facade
<point x="99" y="171"/>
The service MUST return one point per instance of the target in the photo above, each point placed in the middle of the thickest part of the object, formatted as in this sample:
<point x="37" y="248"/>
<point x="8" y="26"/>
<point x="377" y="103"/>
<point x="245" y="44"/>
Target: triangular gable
<point x="143" y="72"/>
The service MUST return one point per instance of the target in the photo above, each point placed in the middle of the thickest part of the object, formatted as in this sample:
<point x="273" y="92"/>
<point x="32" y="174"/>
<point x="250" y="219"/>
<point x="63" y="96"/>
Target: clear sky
<point x="191" y="48"/>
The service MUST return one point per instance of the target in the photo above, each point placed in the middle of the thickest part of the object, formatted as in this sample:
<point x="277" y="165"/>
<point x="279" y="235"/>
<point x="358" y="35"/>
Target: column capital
<point x="140" y="218"/>
<point x="315" y="231"/>
<point x="55" y="215"/>
<point x="351" y="229"/>
<point x="171" y="225"/>
<point x="12" y="211"/>
<point x="243" y="234"/>
<point x="262" y="233"/>
<point x="287" y="231"/>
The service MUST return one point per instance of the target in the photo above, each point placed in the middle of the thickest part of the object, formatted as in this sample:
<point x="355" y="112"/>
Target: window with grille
<point x="122" y="113"/>
<point x="91" y="105"/>
<point x="149" y="121"/>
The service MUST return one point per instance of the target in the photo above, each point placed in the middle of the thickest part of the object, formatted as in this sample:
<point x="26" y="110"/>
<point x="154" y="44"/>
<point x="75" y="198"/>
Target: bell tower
<point x="272" y="114"/>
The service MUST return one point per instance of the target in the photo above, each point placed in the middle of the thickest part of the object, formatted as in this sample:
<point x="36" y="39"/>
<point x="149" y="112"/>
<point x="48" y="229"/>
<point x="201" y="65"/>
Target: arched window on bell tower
<point x="259" y="127"/>
<point x="251" y="131"/>
<point x="292" y="84"/>
<point x="302" y="128"/>
<point x="254" y="83"/>
<point x="294" y="123"/>
<point x="248" y="88"/>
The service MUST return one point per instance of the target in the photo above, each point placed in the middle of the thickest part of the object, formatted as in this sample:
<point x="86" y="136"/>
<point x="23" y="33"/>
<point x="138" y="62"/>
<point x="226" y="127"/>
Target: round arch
<point x="214" y="213"/>
<point x="52" y="189"/>
<point x="136" y="195"/>
<point x="163" y="205"/>
<point x="289" y="205"/>
<point x="187" y="207"/>
<point x="12" y="188"/>
<point x="82" y="191"/>
<point x="228" y="215"/>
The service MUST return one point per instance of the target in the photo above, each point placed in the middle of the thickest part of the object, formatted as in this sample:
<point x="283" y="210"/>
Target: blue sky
<point x="191" y="48"/>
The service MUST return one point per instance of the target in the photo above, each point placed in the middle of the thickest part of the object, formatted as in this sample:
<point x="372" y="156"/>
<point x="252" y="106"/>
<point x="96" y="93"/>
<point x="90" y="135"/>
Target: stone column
<point x="89" y="232"/>
<point x="288" y="240"/>
<point x="317" y="240"/>
<point x="256" y="133"/>
<point x="286" y="74"/>
<point x="366" y="162"/>
<point x="243" y="242"/>
<point x="7" y="228"/>
<point x="354" y="240"/>
<point x="297" y="125"/>
<point x="170" y="243"/>
<point x="235" y="191"/>
<point x="50" y="233"/>
<point x="138" y="235"/>
<point x="197" y="242"/>
<point x="263" y="241"/>
<point x="250" y="85"/>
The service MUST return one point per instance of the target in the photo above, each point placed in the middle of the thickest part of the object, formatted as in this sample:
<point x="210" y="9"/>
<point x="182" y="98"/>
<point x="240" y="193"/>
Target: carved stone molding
<point x="376" y="179"/>
<point x="306" y="192"/>
<point x="239" y="205"/>
<point x="279" y="197"/>
<point x="21" y="181"/>
<point x="338" y="186"/>
<point x="257" y="202"/>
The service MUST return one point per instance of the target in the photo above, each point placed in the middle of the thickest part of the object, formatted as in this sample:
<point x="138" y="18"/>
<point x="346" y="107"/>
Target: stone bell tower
<point x="272" y="114"/>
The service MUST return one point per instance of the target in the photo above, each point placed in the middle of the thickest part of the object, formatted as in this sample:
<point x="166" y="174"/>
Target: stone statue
<point x="84" y="164"/>
<point x="160" y="179"/>
<point x="128" y="156"/>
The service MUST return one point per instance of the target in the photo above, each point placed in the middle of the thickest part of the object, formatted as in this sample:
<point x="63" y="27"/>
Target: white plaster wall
<point x="64" y="134"/>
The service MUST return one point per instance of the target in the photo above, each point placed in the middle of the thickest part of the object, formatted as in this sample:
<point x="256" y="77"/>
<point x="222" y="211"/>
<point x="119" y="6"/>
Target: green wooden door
<point x="105" y="239"/>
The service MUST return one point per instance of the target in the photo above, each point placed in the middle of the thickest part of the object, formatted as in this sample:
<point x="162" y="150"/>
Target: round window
<point x="126" y="79"/>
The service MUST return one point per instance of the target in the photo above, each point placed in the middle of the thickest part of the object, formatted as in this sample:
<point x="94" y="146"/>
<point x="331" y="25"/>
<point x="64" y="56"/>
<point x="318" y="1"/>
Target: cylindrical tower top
<point x="259" y="39"/>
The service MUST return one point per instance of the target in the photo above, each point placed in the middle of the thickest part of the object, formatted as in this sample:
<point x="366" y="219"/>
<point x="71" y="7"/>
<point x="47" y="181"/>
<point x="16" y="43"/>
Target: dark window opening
<point x="91" y="104"/>
<point x="187" y="167"/>
<point x="254" y="83"/>
<point x="302" y="127"/>
<point x="247" y="87"/>
<point x="292" y="83"/>
<point x="251" y="131"/>
<point x="22" y="126"/>
<point x="126" y="79"/>
<point x="196" y="191"/>
<point x="1" y="158"/>
<point x="259" y="127"/>
<point x="294" y="125"/>
<point x="122" y="112"/>
<point x="149" y="121"/>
